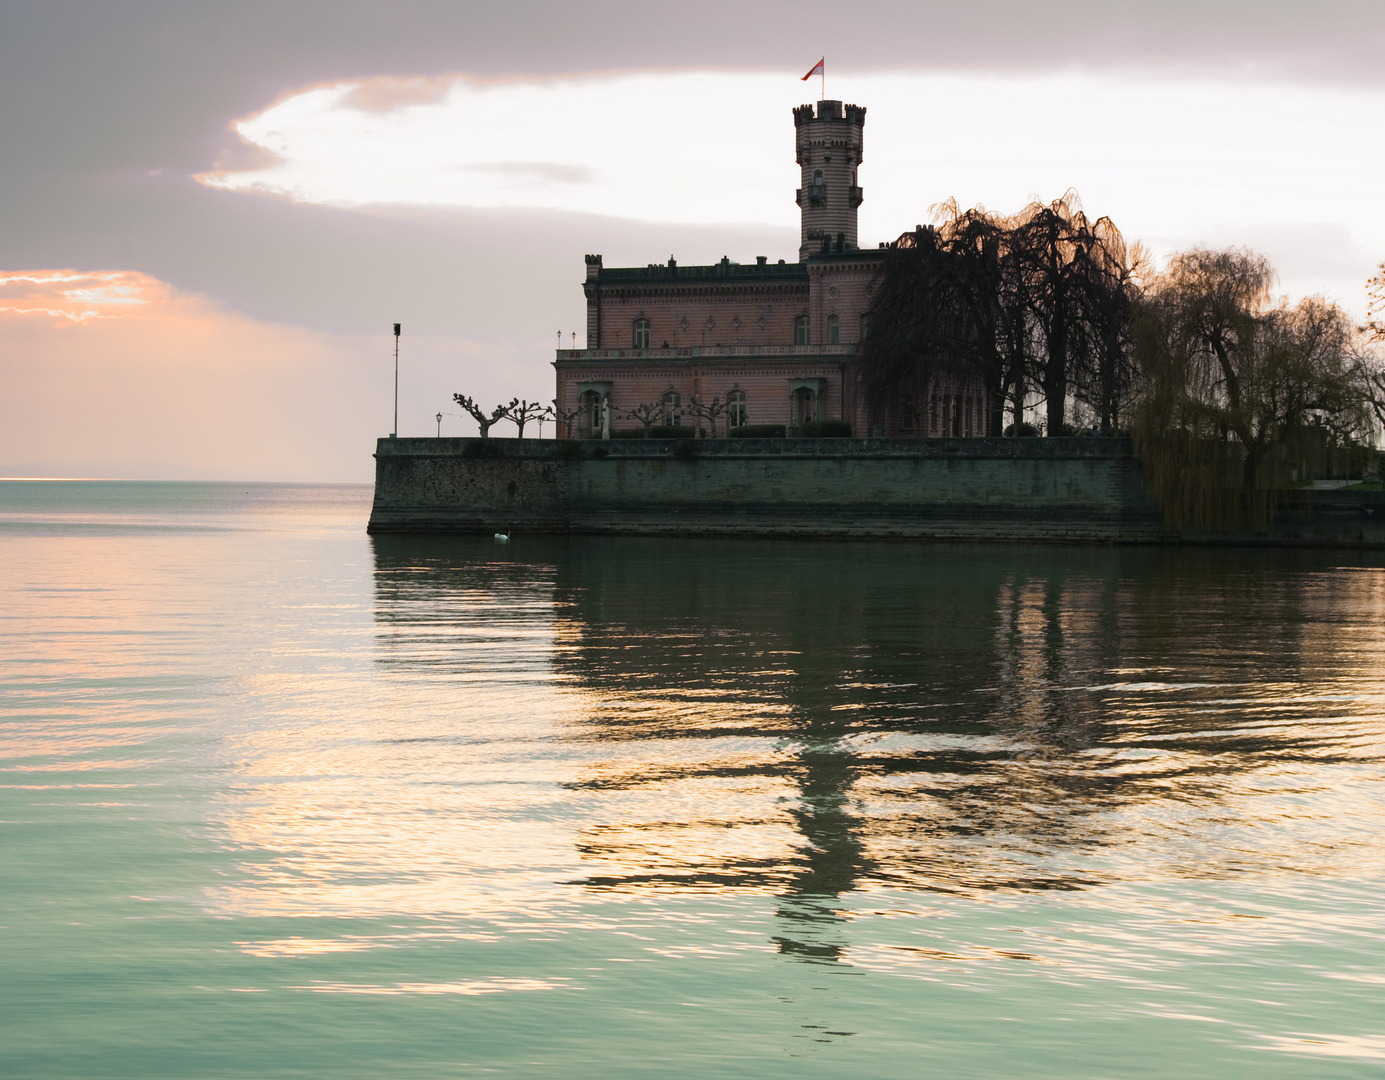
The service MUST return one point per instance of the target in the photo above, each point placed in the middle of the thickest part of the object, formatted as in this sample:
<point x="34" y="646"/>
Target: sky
<point x="212" y="212"/>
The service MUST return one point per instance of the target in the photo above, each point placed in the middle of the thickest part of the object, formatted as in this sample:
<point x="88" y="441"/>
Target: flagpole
<point x="824" y="78"/>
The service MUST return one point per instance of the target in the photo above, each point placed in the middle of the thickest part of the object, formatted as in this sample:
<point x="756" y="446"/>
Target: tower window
<point x="834" y="330"/>
<point x="800" y="331"/>
<point x="641" y="333"/>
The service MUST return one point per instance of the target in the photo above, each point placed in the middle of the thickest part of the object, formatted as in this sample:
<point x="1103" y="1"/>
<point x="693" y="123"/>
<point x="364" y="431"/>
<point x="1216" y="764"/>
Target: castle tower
<point x="829" y="149"/>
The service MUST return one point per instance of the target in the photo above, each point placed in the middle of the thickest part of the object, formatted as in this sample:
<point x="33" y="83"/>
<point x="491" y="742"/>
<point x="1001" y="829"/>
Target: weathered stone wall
<point x="1065" y="490"/>
<point x="1003" y="489"/>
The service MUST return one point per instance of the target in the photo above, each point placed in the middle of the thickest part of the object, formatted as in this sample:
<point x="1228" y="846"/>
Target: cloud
<point x="1173" y="161"/>
<point x="536" y="171"/>
<point x="117" y="374"/>
<point x="78" y="296"/>
<point x="113" y="373"/>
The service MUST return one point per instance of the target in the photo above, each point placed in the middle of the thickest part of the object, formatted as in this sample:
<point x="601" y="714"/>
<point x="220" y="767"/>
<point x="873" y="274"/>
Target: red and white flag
<point x="817" y="69"/>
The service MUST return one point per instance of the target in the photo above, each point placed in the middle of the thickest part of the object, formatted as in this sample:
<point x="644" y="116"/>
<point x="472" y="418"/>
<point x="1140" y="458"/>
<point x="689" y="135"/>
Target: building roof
<point x="723" y="272"/>
<point x="726" y="270"/>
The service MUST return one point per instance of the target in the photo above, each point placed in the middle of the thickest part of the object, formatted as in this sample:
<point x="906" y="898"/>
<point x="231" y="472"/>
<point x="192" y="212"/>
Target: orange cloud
<point x="115" y="373"/>
<point x="78" y="295"/>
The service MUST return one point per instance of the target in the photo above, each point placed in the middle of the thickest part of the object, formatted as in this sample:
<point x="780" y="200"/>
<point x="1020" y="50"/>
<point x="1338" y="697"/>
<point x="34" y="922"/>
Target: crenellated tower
<point x="829" y="145"/>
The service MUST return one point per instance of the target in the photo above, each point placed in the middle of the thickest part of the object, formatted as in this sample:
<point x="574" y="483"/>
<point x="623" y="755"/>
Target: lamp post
<point x="439" y="425"/>
<point x="395" y="433"/>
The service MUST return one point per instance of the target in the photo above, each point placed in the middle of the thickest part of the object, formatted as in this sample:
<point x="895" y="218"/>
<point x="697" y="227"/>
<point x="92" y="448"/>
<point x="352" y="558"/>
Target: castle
<point x="770" y="343"/>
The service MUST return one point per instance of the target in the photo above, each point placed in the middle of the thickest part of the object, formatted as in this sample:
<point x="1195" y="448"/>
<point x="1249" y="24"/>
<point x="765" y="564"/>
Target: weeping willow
<point x="1035" y="302"/>
<point x="1238" y="398"/>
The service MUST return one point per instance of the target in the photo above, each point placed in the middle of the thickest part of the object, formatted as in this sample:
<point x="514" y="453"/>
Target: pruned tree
<point x="648" y="414"/>
<point x="521" y="412"/>
<point x="709" y="411"/>
<point x="483" y="421"/>
<point x="563" y="417"/>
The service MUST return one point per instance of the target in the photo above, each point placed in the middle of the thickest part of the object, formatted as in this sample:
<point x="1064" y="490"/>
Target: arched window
<point x="737" y="414"/>
<point x="589" y="420"/>
<point x="803" y="408"/>
<point x="834" y="330"/>
<point x="800" y="331"/>
<point x="673" y="409"/>
<point x="641" y="333"/>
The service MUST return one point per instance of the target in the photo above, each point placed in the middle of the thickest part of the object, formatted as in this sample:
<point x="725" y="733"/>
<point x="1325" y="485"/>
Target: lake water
<point x="277" y="800"/>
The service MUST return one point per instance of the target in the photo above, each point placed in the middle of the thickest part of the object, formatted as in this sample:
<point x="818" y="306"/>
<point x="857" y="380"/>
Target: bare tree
<point x="484" y="422"/>
<point x="1105" y="375"/>
<point x="563" y="417"/>
<point x="521" y="412"/>
<point x="1040" y="299"/>
<point x="1375" y="290"/>
<point x="709" y="411"/>
<point x="547" y="414"/>
<point x="648" y="415"/>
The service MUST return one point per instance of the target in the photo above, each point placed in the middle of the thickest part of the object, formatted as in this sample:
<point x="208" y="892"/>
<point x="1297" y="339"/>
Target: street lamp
<point x="439" y="425"/>
<point x="395" y="433"/>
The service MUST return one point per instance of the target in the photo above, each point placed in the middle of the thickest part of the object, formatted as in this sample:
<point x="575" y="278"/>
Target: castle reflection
<point x="815" y="720"/>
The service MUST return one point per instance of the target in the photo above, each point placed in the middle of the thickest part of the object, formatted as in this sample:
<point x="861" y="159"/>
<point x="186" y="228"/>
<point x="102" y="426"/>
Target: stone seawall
<point x="1058" y="490"/>
<point x="997" y="489"/>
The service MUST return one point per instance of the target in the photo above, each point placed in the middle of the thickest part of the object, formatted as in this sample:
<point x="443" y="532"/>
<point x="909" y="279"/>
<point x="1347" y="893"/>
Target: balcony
<point x="710" y="352"/>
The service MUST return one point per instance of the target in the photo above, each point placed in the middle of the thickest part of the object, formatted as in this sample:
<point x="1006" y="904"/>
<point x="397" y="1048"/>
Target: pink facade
<point x="754" y="343"/>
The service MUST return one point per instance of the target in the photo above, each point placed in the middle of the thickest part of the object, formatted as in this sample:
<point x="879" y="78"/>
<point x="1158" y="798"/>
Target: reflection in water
<point x="815" y="720"/>
<point x="612" y="807"/>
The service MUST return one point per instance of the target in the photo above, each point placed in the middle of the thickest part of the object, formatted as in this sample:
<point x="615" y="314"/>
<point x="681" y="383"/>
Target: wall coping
<point x="826" y="448"/>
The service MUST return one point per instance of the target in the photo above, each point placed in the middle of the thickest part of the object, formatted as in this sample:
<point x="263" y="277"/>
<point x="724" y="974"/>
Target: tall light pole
<point x="395" y="433"/>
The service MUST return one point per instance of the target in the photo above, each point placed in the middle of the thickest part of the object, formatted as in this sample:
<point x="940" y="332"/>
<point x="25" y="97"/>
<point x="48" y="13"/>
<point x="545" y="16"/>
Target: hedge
<point x="826" y="429"/>
<point x="658" y="431"/>
<point x="758" y="431"/>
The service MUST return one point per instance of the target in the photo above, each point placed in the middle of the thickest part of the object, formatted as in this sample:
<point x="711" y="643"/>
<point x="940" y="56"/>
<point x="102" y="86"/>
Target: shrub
<point x="826" y="429"/>
<point x="681" y="431"/>
<point x="1026" y="431"/>
<point x="758" y="431"/>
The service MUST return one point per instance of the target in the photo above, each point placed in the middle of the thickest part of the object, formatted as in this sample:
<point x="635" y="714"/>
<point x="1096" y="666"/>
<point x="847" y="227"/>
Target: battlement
<point x="829" y="111"/>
